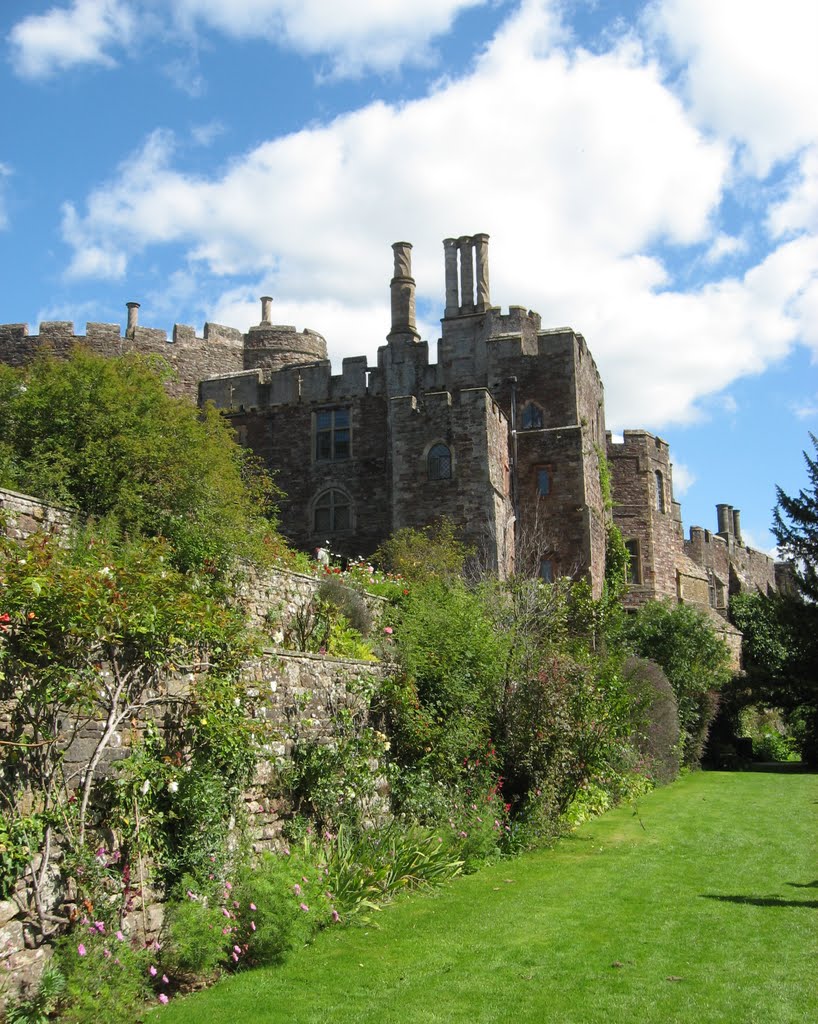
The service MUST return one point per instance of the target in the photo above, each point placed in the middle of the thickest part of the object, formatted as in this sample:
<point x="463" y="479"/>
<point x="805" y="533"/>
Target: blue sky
<point x="647" y="172"/>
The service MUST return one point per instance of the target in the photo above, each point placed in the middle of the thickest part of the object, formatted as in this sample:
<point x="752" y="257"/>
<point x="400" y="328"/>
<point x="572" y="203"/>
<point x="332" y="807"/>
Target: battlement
<point x="639" y="442"/>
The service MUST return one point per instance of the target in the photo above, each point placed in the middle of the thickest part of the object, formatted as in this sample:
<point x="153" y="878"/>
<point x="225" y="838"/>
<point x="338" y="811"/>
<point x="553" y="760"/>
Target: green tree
<point x="695" y="660"/>
<point x="795" y="526"/>
<point x="103" y="436"/>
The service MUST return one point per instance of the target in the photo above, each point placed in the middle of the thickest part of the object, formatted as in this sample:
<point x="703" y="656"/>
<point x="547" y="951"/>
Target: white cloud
<point x="204" y="134"/>
<point x="749" y="70"/>
<point x="723" y="246"/>
<point x="64" y="37"/>
<point x="806" y="408"/>
<point x="683" y="480"/>
<point x="583" y="168"/>
<point x="356" y="34"/>
<point x="798" y="211"/>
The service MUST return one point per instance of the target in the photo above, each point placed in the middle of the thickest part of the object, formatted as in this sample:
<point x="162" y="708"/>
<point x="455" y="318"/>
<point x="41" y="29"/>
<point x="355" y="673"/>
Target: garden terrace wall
<point x="298" y="695"/>
<point x="23" y="515"/>
<point x="270" y="598"/>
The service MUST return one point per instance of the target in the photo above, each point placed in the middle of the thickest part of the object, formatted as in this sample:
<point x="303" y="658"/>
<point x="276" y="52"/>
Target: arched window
<point x="532" y="417"/>
<point x="332" y="512"/>
<point x="660" y="492"/>
<point x="547" y="572"/>
<point x="439" y="463"/>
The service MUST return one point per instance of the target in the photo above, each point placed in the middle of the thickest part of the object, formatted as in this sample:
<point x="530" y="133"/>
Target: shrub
<point x="106" y="976"/>
<point x="654" y="718"/>
<point x="452" y="663"/>
<point x="561" y="729"/>
<point x="695" y="660"/>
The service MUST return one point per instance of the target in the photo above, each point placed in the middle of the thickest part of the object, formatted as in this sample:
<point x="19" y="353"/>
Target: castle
<point x="504" y="435"/>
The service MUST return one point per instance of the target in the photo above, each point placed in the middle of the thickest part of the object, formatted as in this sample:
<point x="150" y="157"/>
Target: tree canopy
<point x="795" y="526"/>
<point x="103" y="436"/>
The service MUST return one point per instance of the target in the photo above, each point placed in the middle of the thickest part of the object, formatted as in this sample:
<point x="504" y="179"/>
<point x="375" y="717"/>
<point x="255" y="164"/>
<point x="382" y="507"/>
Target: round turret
<point x="273" y="346"/>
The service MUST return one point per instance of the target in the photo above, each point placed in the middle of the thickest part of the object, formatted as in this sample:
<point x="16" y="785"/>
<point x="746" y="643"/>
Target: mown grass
<point x="701" y="909"/>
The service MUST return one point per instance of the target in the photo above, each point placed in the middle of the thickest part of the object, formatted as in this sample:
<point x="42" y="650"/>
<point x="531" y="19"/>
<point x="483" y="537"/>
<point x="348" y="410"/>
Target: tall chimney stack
<point x="402" y="287"/>
<point x="133" y="318"/>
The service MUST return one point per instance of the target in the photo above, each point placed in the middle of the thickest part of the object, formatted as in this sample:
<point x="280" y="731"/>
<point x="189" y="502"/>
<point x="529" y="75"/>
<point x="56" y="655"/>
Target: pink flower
<point x="81" y="949"/>
<point x="164" y="979"/>
<point x="152" y="971"/>
<point x="235" y="957"/>
<point x="227" y="885"/>
<point x="304" y="907"/>
<point x="107" y="954"/>
<point x="252" y="925"/>
<point x="388" y="630"/>
<point x="100" y="927"/>
<point x="252" y="906"/>
<point x="163" y="998"/>
<point x="226" y="931"/>
<point x="120" y="936"/>
<point x="335" y="917"/>
<point x="226" y="912"/>
<point x="237" y="949"/>
<point x="297" y="889"/>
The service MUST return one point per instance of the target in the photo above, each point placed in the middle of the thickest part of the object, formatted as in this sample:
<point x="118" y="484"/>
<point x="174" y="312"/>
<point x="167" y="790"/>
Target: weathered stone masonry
<point x="503" y="435"/>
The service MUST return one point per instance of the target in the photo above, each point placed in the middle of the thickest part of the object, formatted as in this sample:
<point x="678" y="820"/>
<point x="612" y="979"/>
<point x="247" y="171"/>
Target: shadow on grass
<point x="804" y="885"/>
<point x="762" y="901"/>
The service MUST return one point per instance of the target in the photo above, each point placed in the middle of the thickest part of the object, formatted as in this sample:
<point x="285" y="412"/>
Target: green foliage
<point x="106" y="977"/>
<point x="562" y="729"/>
<point x="102" y="435"/>
<point x="335" y="782"/>
<point x="435" y="551"/>
<point x="20" y="838"/>
<point x="93" y="634"/>
<point x="453" y="664"/>
<point x="795" y="526"/>
<point x="335" y="621"/>
<point x="38" y="1008"/>
<point x="695" y="660"/>
<point x="654" y="718"/>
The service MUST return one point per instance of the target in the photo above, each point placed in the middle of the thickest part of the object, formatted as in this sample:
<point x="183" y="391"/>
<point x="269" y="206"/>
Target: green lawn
<point x="703" y="909"/>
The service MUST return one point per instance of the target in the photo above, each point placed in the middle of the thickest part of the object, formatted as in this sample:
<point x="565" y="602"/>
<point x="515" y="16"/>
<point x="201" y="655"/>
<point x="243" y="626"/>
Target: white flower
<point x="146" y="785"/>
<point x="173" y="786"/>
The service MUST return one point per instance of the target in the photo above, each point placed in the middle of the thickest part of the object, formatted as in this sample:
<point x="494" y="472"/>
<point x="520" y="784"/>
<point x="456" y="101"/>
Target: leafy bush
<point x="20" y="838"/>
<point x="433" y="552"/>
<point x="561" y="729"/>
<point x="695" y="660"/>
<point x="452" y="663"/>
<point x="654" y="717"/>
<point x="106" y="976"/>
<point x="38" y="1008"/>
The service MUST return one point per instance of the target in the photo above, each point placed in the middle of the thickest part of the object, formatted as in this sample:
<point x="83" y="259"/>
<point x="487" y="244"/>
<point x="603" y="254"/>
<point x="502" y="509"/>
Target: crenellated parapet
<point x="219" y="350"/>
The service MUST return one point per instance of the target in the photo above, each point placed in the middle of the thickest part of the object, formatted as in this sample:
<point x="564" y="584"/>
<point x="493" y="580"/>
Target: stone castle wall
<point x="219" y="350"/>
<point x="23" y="515"/>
